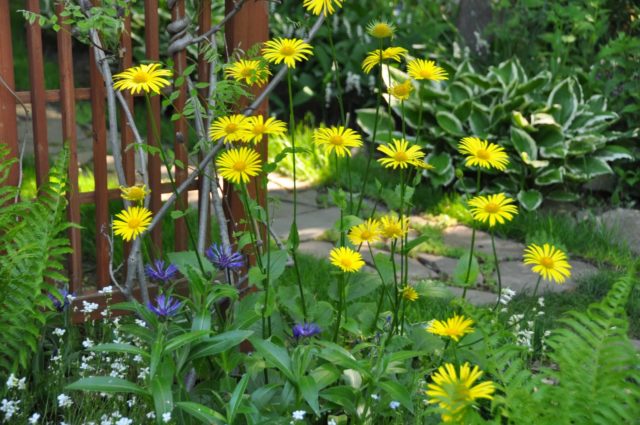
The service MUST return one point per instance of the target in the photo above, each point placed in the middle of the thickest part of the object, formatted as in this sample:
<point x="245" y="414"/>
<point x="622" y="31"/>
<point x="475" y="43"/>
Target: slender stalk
<point x="336" y="330"/>
<point x="383" y="290"/>
<point x="497" y="263"/>
<point x="473" y="240"/>
<point x="336" y="73"/>
<point x="535" y="290"/>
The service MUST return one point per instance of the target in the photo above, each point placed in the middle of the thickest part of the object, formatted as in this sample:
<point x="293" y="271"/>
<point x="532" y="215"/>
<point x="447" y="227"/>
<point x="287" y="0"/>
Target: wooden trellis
<point x="246" y="28"/>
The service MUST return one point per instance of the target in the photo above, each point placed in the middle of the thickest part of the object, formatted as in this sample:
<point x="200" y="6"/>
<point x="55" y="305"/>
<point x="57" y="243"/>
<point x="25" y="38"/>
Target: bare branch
<point x="204" y="36"/>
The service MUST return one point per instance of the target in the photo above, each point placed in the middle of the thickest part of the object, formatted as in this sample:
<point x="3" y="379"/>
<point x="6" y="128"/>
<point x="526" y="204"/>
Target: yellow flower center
<point x="140" y="77"/>
<point x="231" y="128"/>
<point x="461" y="395"/>
<point x="381" y="30"/>
<point x="246" y="72"/>
<point x="239" y="166"/>
<point x="492" y="208"/>
<point x="401" y="156"/>
<point x="287" y="50"/>
<point x="346" y="262"/>
<point x="483" y="154"/>
<point x="258" y="129"/>
<point x="134" y="223"/>
<point x="547" y="262"/>
<point x="365" y="235"/>
<point x="336" y="140"/>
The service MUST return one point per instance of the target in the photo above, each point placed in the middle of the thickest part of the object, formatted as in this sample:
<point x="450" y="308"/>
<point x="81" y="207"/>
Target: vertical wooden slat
<point x="151" y="36"/>
<point x="100" y="171"/>
<point x="181" y="136"/>
<point x="8" y="123"/>
<point x="68" y="106"/>
<point x="247" y="28"/>
<point x="38" y="107"/>
<point x="204" y="24"/>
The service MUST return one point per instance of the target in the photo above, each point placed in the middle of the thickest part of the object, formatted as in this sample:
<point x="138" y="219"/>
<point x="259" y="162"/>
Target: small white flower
<point x="151" y="415"/>
<point x="89" y="307"/>
<point x="9" y="408"/>
<point x="394" y="404"/>
<point x="87" y="343"/>
<point x="332" y="422"/>
<point x="22" y="384"/>
<point x="64" y="400"/>
<point x="141" y="323"/>
<point x="124" y="421"/>
<point x="34" y="418"/>
<point x="298" y="415"/>
<point x="137" y="358"/>
<point x="376" y="397"/>
<point x="12" y="381"/>
<point x="166" y="417"/>
<point x="541" y="301"/>
<point x="106" y="290"/>
<point x="507" y="295"/>
<point x="59" y="331"/>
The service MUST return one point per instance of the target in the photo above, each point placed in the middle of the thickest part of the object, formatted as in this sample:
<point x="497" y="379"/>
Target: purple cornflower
<point x="61" y="305"/>
<point x="159" y="273"/>
<point x="165" y="306"/>
<point x="306" y="330"/>
<point x="224" y="258"/>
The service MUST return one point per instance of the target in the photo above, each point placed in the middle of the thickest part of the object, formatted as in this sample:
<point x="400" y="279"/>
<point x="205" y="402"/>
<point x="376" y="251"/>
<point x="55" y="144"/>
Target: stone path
<point x="314" y="223"/>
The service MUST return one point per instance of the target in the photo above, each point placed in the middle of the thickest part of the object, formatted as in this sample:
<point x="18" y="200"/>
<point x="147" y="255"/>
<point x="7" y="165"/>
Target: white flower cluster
<point x="115" y="418"/>
<point x="64" y="401"/>
<point x="506" y="296"/>
<point x="88" y="308"/>
<point x="13" y="382"/>
<point x="10" y="408"/>
<point x="353" y="83"/>
<point x="59" y="332"/>
<point x="298" y="415"/>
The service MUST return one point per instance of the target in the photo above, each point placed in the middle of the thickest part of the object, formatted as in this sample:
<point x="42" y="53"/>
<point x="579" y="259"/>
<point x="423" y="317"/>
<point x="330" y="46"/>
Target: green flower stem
<point x="372" y="148"/>
<point x="383" y="291"/>
<point x="395" y="286"/>
<point x="334" y="61"/>
<point x="473" y="240"/>
<point x="164" y="160"/>
<point x="350" y="206"/>
<point x="419" y="112"/>
<point x="292" y="125"/>
<point x="497" y="263"/>
<point x="535" y="290"/>
<point x="341" y="285"/>
<point x="342" y="231"/>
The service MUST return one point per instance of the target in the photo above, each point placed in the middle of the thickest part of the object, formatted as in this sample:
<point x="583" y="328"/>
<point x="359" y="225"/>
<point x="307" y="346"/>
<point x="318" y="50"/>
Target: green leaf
<point x="459" y="92"/>
<point x="275" y="355"/>
<point x="202" y="413"/>
<point x="441" y="163"/>
<point x="460" y="272"/>
<point x="530" y="199"/>
<point x="463" y="110"/>
<point x="219" y="343"/>
<point x="564" y="95"/>
<point x="524" y="143"/>
<point x="256" y="277"/>
<point x="236" y="399"/>
<point x="120" y="348"/>
<point x="397" y="392"/>
<point x="309" y="391"/>
<point x="533" y="84"/>
<point x="479" y="122"/>
<point x="550" y="176"/>
<point x="562" y="196"/>
<point x="587" y="167"/>
<point x="293" y="242"/>
<point x="106" y="384"/>
<point x="450" y="123"/>
<point x="415" y="242"/>
<point x="184" y="339"/>
<point x="344" y="396"/>
<point x="278" y="264"/>
<point x="366" y="118"/>
<point x="185" y="259"/>
<point x="161" y="388"/>
<point x="613" y="153"/>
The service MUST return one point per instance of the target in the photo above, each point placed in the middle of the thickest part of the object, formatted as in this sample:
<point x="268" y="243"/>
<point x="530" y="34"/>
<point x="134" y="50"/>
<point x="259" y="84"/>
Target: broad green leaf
<point x="466" y="274"/>
<point x="324" y="375"/>
<point x="161" y="385"/>
<point x="397" y="392"/>
<point x="440" y="162"/>
<point x="309" y="391"/>
<point x="294" y="237"/>
<point x="236" y="399"/>
<point x="344" y="396"/>
<point x="219" y="343"/>
<point x="366" y="118"/>
<point x="202" y="413"/>
<point x="415" y="242"/>
<point x="524" y="143"/>
<point x="106" y="384"/>
<point x="550" y="176"/>
<point x="613" y="153"/>
<point x="533" y="84"/>
<point x="530" y="199"/>
<point x="185" y="339"/>
<point x="256" y="277"/>
<point x="384" y="266"/>
<point x="587" y="167"/>
<point x="188" y="259"/>
<point x="564" y="95"/>
<point x="275" y="355"/>
<point x="479" y="122"/>
<point x="459" y="92"/>
<point x="463" y="110"/>
<point x="450" y="123"/>
<point x="562" y="196"/>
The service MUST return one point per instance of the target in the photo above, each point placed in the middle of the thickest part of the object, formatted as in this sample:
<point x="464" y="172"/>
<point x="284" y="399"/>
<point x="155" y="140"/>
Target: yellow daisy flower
<point x="238" y="165"/>
<point x="346" y="259"/>
<point x="338" y="139"/>
<point x="409" y="293"/>
<point x="401" y="91"/>
<point x="548" y="261"/>
<point x="494" y="208"/>
<point x="454" y="392"/>
<point x="131" y="222"/>
<point x="135" y="193"/>
<point x="393" y="227"/>
<point x="420" y="69"/>
<point x="381" y="29"/>
<point x="146" y="78"/>
<point x="454" y="328"/>
<point x="250" y="71"/>
<point x="287" y="50"/>
<point x="230" y="128"/>
<point x="390" y="53"/>
<point x="368" y="232"/>
<point x="321" y="6"/>
<point x="483" y="154"/>
<point x="400" y="154"/>
<point x="255" y="128"/>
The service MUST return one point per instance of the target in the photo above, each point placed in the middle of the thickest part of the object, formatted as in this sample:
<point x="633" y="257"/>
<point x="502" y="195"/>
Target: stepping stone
<point x="625" y="223"/>
<point x="460" y="237"/>
<point x="284" y="182"/>
<point x="417" y="270"/>
<point x="318" y="249"/>
<point x="519" y="277"/>
<point x="311" y="225"/>
<point x="444" y="266"/>
<point x="474" y="296"/>
<point x="279" y="209"/>
<point x="305" y="197"/>
<point x="636" y="343"/>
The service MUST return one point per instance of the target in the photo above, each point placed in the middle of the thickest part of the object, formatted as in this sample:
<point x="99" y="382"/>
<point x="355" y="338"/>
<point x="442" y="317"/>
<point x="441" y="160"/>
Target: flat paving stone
<point x="284" y="182"/>
<point x="519" y="277"/>
<point x="636" y="343"/>
<point x="475" y="296"/>
<point x="305" y="197"/>
<point x="444" y="266"/>
<point x="311" y="225"/>
<point x="417" y="270"/>
<point x="460" y="237"/>
<point x="319" y="249"/>
<point x="625" y="223"/>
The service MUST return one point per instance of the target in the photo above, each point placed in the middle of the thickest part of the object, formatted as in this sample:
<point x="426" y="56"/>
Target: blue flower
<point x="159" y="273"/>
<point x="306" y="330"/>
<point x="66" y="300"/>
<point x="165" y="306"/>
<point x="224" y="258"/>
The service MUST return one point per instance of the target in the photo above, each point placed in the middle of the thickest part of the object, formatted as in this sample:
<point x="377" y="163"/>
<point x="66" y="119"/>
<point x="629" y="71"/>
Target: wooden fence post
<point x="8" y="124"/>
